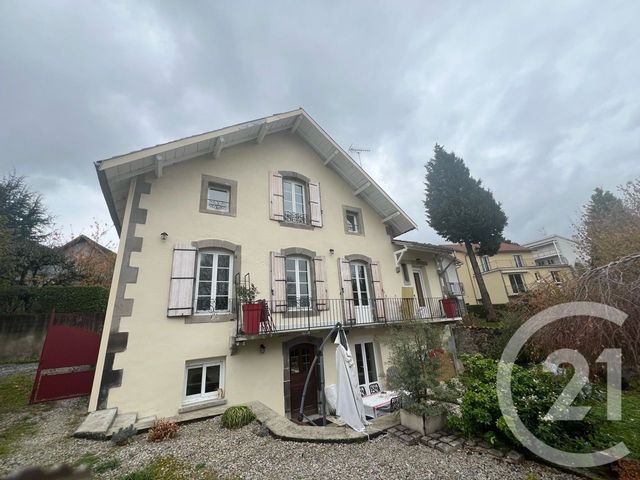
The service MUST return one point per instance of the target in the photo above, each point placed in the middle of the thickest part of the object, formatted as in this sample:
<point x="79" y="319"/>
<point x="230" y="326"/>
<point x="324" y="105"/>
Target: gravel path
<point x="245" y="454"/>
<point x="7" y="369"/>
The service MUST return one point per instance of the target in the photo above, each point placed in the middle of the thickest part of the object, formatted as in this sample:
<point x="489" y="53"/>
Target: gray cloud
<point x="541" y="99"/>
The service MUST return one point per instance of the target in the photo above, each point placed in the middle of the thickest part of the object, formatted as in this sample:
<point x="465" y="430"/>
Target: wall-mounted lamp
<point x="262" y="348"/>
<point x="164" y="235"/>
<point x="331" y="251"/>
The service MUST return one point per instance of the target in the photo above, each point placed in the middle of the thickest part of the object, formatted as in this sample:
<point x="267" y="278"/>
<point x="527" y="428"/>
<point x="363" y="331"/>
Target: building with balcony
<point x="507" y="274"/>
<point x="273" y="202"/>
<point x="554" y="250"/>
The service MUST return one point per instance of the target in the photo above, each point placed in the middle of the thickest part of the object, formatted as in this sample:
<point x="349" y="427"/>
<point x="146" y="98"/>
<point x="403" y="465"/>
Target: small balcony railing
<point x="310" y="314"/>
<point x="218" y="205"/>
<point x="295" y="217"/>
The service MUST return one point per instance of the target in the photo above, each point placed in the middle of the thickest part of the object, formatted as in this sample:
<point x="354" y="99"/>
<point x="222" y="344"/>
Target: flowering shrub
<point x="534" y="392"/>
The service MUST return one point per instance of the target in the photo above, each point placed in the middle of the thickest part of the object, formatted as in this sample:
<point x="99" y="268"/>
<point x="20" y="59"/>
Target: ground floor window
<point x="517" y="283"/>
<point x="366" y="363"/>
<point x="204" y="380"/>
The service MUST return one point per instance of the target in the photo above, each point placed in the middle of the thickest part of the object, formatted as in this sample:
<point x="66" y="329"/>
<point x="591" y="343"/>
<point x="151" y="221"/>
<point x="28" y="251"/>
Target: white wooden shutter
<point x="183" y="275"/>
<point x="378" y="291"/>
<point x="314" y="204"/>
<point x="344" y="269"/>
<point x="276" y="197"/>
<point x="321" y="283"/>
<point x="278" y="283"/>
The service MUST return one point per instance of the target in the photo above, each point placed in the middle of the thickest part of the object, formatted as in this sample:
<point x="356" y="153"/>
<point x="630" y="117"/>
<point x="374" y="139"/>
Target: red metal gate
<point x="68" y="359"/>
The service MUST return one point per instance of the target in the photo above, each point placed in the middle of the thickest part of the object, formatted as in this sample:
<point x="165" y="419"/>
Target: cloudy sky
<point x="541" y="99"/>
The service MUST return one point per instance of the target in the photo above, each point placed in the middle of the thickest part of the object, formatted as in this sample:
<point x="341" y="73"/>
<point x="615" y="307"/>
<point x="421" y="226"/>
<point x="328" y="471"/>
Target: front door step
<point x="122" y="420"/>
<point x="97" y="424"/>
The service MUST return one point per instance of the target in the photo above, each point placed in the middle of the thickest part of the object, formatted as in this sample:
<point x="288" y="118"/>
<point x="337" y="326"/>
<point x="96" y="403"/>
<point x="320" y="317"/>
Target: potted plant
<point x="251" y="310"/>
<point x="415" y="373"/>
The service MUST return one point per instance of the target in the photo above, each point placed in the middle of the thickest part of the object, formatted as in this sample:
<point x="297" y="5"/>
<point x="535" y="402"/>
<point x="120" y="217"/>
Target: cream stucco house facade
<point x="276" y="202"/>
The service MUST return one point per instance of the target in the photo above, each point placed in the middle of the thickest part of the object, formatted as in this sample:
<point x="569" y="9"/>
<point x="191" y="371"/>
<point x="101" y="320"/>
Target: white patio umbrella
<point x="349" y="406"/>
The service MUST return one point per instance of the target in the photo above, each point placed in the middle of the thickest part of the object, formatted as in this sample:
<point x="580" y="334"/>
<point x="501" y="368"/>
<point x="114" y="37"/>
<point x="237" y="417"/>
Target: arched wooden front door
<point x="300" y="358"/>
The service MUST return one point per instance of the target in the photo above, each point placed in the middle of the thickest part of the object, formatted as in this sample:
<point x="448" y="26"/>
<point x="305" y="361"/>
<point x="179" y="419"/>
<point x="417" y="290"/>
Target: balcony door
<point x="361" y="295"/>
<point x="423" y="304"/>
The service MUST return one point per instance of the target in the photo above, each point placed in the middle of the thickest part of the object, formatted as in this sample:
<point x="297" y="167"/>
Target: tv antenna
<point x="353" y="149"/>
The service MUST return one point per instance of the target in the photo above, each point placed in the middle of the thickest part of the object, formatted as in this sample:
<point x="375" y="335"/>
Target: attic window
<point x="218" y="198"/>
<point x="352" y="218"/>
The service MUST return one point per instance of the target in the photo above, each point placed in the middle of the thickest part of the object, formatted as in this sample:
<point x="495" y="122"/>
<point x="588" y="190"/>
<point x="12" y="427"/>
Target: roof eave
<point x="106" y="192"/>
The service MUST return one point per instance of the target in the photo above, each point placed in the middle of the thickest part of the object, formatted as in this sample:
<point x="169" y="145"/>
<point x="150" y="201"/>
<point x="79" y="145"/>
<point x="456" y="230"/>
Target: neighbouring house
<point x="95" y="261"/>
<point x="277" y="203"/>
<point x="554" y="250"/>
<point x="509" y="273"/>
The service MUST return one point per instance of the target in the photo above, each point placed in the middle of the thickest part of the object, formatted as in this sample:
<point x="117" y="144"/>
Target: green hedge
<point x="80" y="299"/>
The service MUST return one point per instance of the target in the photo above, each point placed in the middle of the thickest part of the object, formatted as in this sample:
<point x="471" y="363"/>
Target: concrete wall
<point x="153" y="360"/>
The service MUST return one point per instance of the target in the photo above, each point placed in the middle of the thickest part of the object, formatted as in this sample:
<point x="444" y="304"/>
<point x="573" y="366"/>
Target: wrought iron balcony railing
<point x="313" y="314"/>
<point x="295" y="217"/>
<point x="218" y="205"/>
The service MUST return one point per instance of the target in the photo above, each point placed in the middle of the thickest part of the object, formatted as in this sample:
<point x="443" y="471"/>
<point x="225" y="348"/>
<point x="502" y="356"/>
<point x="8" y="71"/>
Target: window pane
<point x="304" y="289"/>
<point x="203" y="304"/>
<point x="354" y="287"/>
<point x="204" y="288"/>
<point x="205" y="273"/>
<point x="222" y="289"/>
<point x="353" y="270"/>
<point x="212" y="379"/>
<point x="302" y="265"/>
<point x="290" y="264"/>
<point x="223" y="274"/>
<point x="291" y="288"/>
<point x="223" y="261"/>
<point x="304" y="301"/>
<point x="291" y="277"/>
<point x="371" y="362"/>
<point x="359" y="363"/>
<point x="194" y="381"/>
<point x="206" y="260"/>
<point x="302" y="277"/>
<point x="222" y="304"/>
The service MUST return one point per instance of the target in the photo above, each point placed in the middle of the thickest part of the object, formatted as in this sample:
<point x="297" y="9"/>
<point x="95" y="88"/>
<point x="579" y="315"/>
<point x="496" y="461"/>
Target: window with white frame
<point x="518" y="260"/>
<point x="213" y="292"/>
<point x="517" y="283"/>
<point x="218" y="198"/>
<point x="294" y="201"/>
<point x="556" y="276"/>
<point x="353" y="223"/>
<point x="366" y="363"/>
<point x="484" y="260"/>
<point x="204" y="380"/>
<point x="298" y="281"/>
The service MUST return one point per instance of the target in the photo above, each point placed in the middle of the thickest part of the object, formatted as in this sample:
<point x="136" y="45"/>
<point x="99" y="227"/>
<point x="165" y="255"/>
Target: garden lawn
<point x="628" y="429"/>
<point x="15" y="391"/>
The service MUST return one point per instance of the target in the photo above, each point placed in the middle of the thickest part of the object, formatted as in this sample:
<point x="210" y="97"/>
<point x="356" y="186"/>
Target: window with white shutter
<point x="182" y="281"/>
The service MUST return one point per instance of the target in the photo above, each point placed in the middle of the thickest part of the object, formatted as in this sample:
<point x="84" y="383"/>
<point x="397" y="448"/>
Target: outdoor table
<point x="373" y="403"/>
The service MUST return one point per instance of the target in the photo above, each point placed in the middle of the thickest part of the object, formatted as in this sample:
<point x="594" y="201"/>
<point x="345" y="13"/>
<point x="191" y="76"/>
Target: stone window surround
<point x="231" y="185"/>
<point x="357" y="257"/>
<point x="286" y="174"/>
<point x="235" y="250"/>
<point x="310" y="255"/>
<point x="358" y="212"/>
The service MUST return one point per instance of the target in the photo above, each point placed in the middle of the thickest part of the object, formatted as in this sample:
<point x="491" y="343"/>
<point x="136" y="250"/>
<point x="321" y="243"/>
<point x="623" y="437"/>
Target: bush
<point x="75" y="299"/>
<point x="236" y="417"/>
<point x="124" y="435"/>
<point x="162" y="429"/>
<point x="534" y="392"/>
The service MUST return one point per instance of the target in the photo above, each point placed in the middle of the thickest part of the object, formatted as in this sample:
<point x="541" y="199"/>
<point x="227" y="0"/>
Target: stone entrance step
<point x="122" y="420"/>
<point x="97" y="424"/>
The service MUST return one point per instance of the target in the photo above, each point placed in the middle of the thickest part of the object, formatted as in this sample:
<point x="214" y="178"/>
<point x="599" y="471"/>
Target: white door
<point x="361" y="297"/>
<point x="423" y="301"/>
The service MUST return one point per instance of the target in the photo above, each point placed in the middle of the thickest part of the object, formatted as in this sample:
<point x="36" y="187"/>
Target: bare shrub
<point x="161" y="430"/>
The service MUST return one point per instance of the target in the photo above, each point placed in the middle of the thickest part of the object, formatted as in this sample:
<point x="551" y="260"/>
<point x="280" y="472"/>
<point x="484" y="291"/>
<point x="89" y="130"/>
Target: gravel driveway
<point x="7" y="369"/>
<point x="245" y="454"/>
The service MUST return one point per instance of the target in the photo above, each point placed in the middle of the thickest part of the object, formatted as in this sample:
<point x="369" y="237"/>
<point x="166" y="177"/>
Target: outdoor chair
<point x="363" y="391"/>
<point x="374" y="388"/>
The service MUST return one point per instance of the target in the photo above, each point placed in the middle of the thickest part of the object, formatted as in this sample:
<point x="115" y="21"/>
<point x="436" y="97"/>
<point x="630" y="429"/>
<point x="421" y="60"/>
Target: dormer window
<point x="218" y="198"/>
<point x="294" y="201"/>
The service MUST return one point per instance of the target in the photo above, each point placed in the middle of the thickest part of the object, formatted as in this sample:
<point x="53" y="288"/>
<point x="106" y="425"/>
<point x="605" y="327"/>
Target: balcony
<point x="305" y="315"/>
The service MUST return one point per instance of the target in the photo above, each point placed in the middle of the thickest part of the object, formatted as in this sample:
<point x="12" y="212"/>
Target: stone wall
<point x="22" y="335"/>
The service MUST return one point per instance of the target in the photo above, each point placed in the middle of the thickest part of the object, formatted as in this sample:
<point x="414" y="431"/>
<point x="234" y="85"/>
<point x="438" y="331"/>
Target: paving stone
<point x="456" y="444"/>
<point x="434" y="435"/>
<point x="409" y="440"/>
<point x="416" y="435"/>
<point x="145" y="423"/>
<point x="444" y="447"/>
<point x="425" y="440"/>
<point x="495" y="452"/>
<point x="393" y="430"/>
<point x="470" y="443"/>
<point x="122" y="420"/>
<point x="514" y="457"/>
<point x="97" y="424"/>
<point x="433" y="442"/>
<point x="448" y="438"/>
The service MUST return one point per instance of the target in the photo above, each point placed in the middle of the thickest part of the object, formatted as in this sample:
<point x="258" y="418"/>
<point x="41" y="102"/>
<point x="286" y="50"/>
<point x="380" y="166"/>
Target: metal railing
<point x="218" y="205"/>
<point x="319" y="314"/>
<point x="295" y="217"/>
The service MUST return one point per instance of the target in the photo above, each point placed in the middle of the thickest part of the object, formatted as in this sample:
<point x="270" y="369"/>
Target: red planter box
<point x="450" y="307"/>
<point x="251" y="314"/>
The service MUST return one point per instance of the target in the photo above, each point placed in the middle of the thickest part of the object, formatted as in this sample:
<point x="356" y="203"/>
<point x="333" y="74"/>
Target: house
<point x="93" y="260"/>
<point x="554" y="250"/>
<point x="273" y="202"/>
<point x="510" y="272"/>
